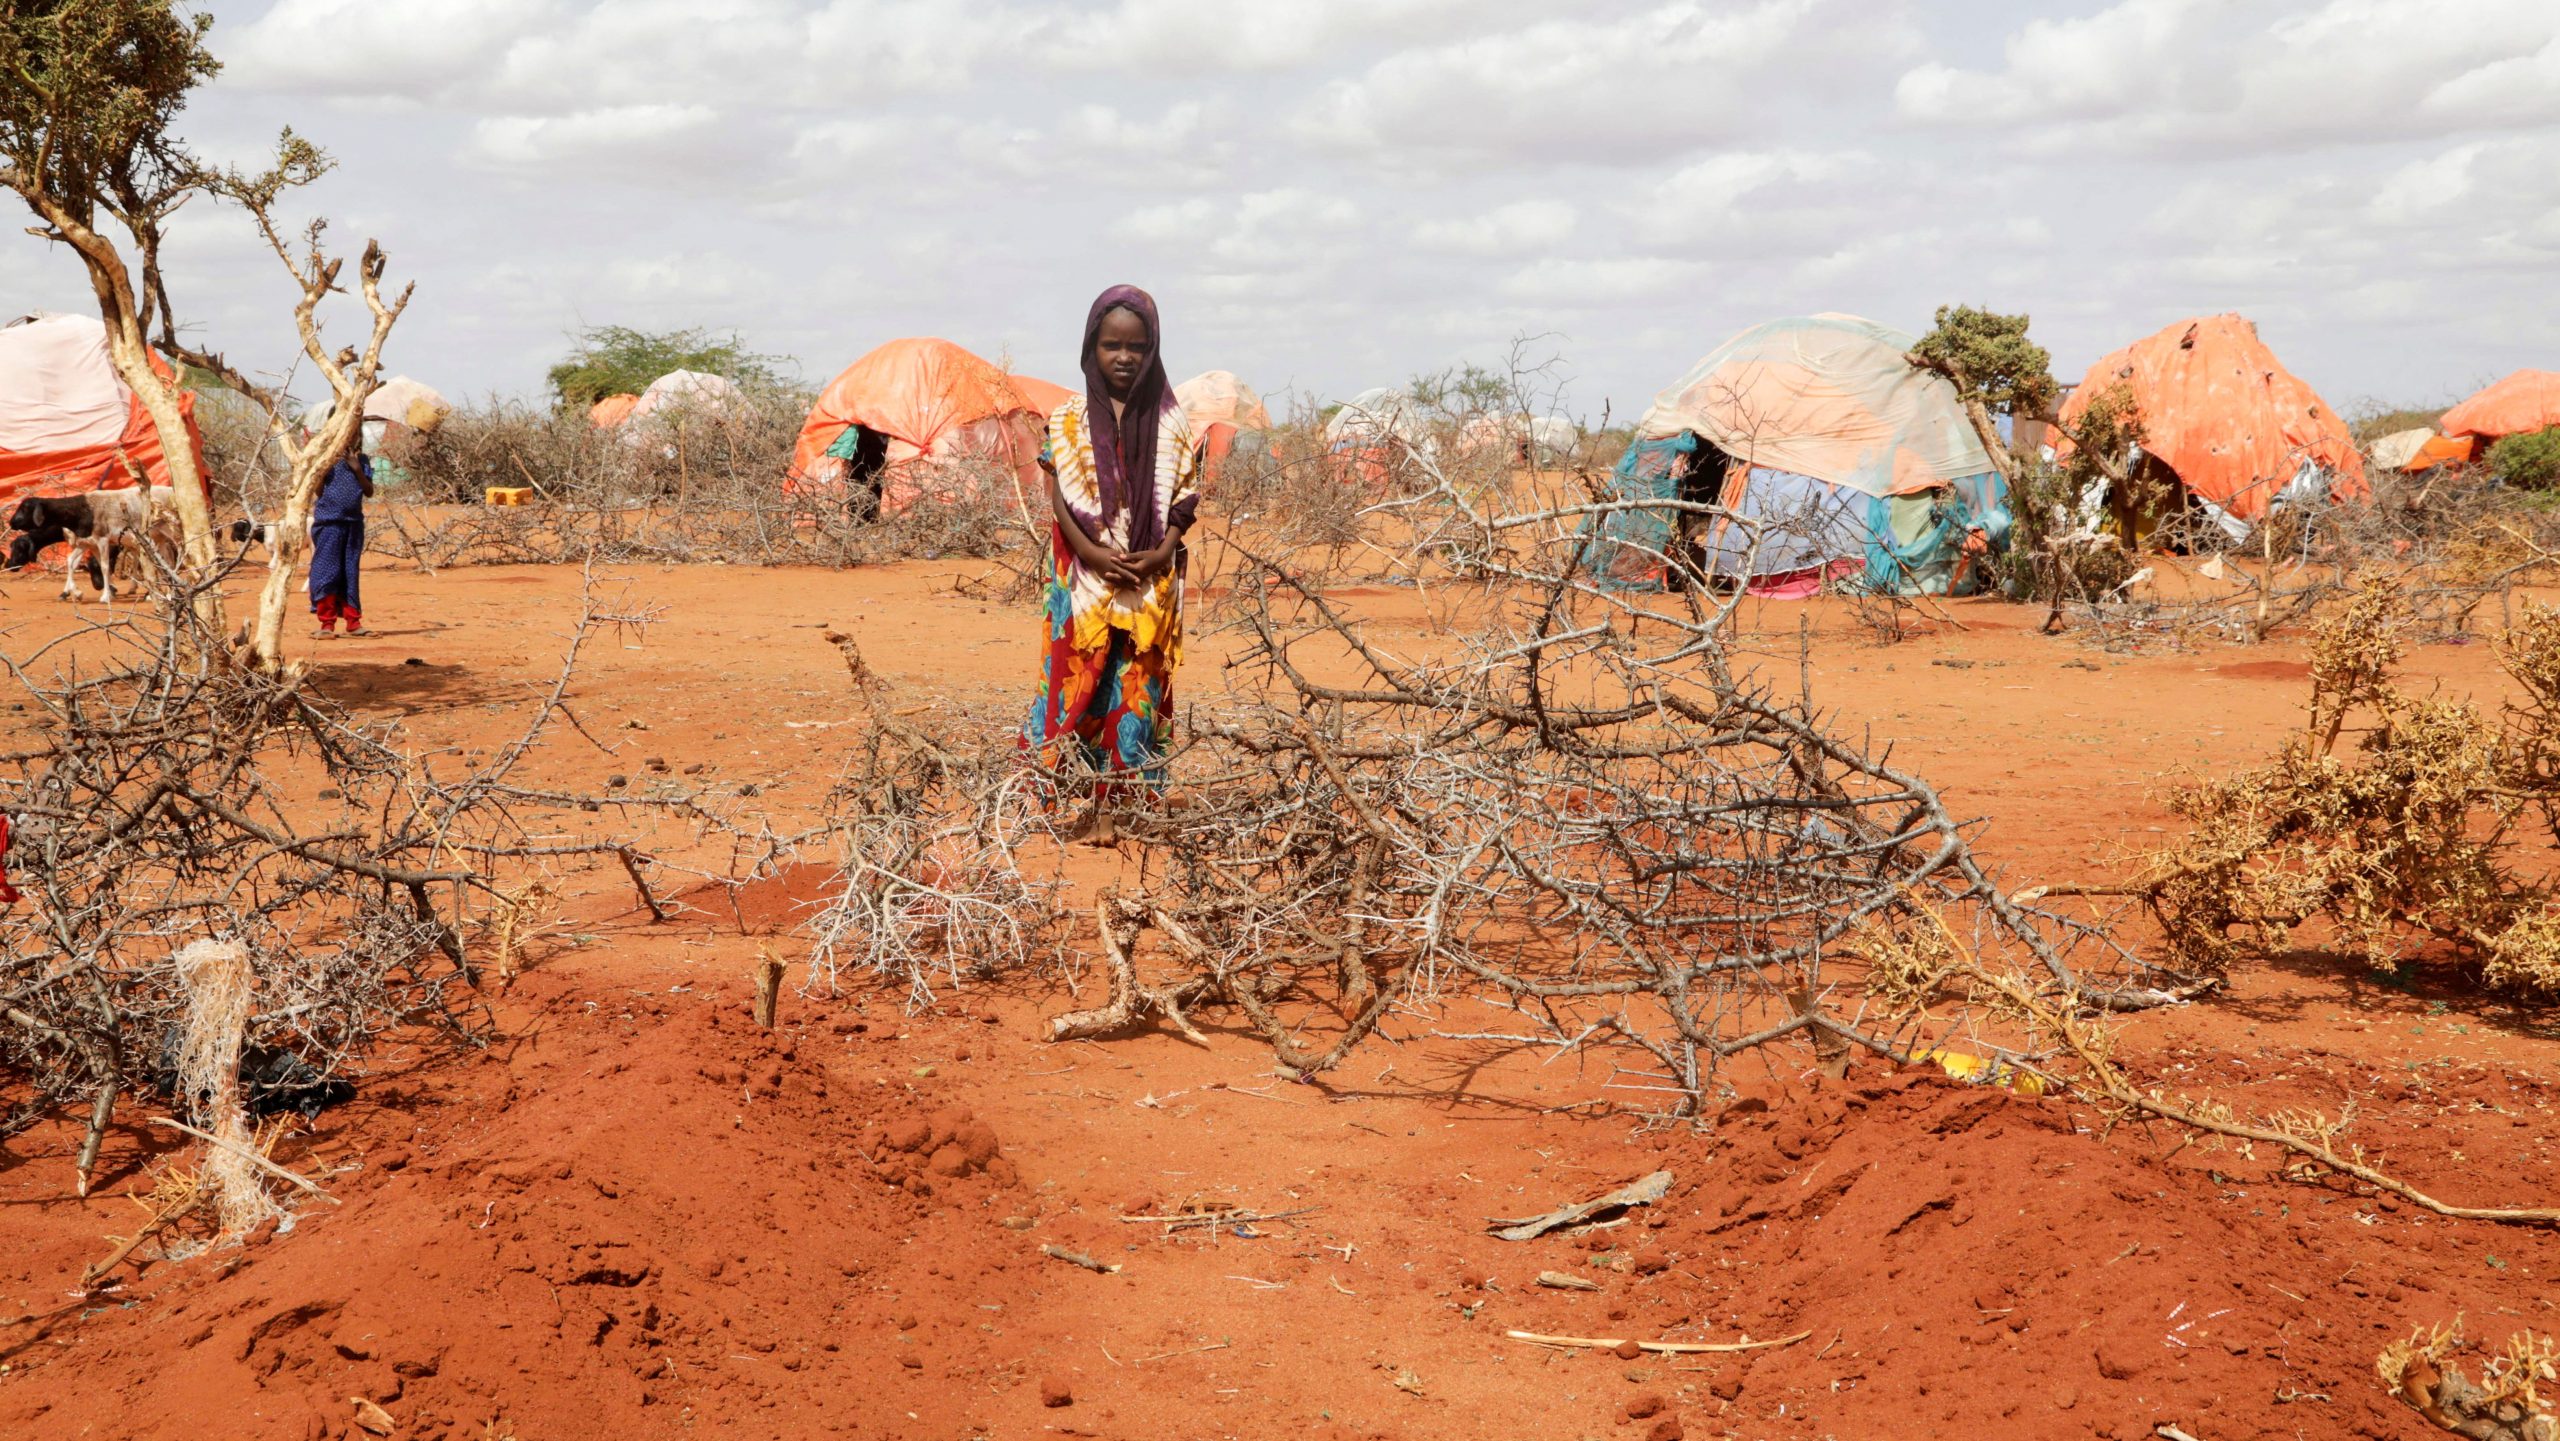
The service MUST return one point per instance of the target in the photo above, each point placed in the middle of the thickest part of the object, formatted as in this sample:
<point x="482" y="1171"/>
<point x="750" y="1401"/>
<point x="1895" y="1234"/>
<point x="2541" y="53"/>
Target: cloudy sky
<point x="1330" y="194"/>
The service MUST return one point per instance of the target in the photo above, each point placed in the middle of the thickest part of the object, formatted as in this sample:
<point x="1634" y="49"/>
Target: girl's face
<point x="1120" y="347"/>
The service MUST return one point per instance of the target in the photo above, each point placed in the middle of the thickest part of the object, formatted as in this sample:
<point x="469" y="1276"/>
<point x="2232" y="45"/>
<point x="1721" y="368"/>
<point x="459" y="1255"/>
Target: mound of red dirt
<point x="1967" y="1261"/>
<point x="671" y="1206"/>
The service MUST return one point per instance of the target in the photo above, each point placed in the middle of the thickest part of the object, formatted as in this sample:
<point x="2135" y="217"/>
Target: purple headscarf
<point x="1124" y="455"/>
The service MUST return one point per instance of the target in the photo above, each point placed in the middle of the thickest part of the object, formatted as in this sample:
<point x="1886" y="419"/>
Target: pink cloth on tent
<point x="1802" y="584"/>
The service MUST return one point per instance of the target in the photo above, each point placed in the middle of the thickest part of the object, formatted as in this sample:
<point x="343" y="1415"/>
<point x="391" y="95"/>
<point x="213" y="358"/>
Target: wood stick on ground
<point x="1559" y="1281"/>
<point x="98" y="1271"/>
<point x="1078" y="1258"/>
<point x="768" y="979"/>
<point x="99" y="1114"/>
<point x="657" y="912"/>
<point x="1215" y="1218"/>
<point x="235" y="1148"/>
<point x="1668" y="1348"/>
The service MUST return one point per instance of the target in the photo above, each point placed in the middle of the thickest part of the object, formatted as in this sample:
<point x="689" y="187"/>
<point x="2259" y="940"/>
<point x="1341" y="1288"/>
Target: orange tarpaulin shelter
<point x="67" y="421"/>
<point x="1039" y="394"/>
<point x="931" y="400"/>
<point x="611" y="411"/>
<point x="2521" y="404"/>
<point x="2221" y="412"/>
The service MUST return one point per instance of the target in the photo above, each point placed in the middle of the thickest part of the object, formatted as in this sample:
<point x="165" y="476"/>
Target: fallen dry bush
<point x="1583" y="813"/>
<point x="2453" y="541"/>
<point x="2400" y="820"/>
<point x="163" y="796"/>
<point x="2506" y="1403"/>
<point x="932" y="888"/>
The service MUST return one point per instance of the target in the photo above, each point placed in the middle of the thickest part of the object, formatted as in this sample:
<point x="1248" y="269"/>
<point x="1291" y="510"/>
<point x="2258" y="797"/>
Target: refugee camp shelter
<point x="1044" y="397"/>
<point x="67" y="421"/>
<point x="682" y="397"/>
<point x="882" y="426"/>
<point x="2521" y="404"/>
<point x="1532" y="439"/>
<point x="1839" y="459"/>
<point x="1366" y="435"/>
<point x="1221" y="408"/>
<point x="398" y="408"/>
<point x="2235" y="429"/>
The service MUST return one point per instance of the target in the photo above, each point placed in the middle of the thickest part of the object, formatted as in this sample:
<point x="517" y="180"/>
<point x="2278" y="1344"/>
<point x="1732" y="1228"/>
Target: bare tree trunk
<point x="130" y="353"/>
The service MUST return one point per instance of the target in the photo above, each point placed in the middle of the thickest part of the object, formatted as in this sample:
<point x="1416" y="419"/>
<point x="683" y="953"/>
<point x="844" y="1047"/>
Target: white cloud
<point x="1746" y="198"/>
<point x="1264" y="230"/>
<point x="1562" y="87"/>
<point x="636" y="136"/>
<point x="2199" y="76"/>
<point x="1245" y="37"/>
<point x="1521" y="226"/>
<point x="1584" y="283"/>
<point x="359" y="48"/>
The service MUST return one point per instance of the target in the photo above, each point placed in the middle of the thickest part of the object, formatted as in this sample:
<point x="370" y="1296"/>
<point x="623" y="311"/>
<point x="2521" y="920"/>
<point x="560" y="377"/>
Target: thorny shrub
<point x="2396" y="818"/>
<point x="694" y="488"/>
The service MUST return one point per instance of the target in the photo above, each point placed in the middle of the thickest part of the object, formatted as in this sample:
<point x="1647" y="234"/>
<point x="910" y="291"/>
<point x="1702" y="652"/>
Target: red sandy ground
<point x="639" y="1216"/>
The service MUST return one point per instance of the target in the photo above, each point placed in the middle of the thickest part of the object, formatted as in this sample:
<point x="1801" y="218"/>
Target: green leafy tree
<point x="1990" y="358"/>
<point x="618" y="360"/>
<point x="88" y="91"/>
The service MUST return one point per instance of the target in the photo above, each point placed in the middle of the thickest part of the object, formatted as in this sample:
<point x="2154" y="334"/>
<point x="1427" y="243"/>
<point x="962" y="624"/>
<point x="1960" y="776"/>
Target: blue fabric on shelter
<point x="1904" y="544"/>
<point x="1624" y="550"/>
<point x="337" y="560"/>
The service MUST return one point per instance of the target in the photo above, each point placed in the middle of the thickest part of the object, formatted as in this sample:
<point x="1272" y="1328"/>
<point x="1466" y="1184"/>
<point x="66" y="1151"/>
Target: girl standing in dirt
<point x="337" y="540"/>
<point x="1121" y="467"/>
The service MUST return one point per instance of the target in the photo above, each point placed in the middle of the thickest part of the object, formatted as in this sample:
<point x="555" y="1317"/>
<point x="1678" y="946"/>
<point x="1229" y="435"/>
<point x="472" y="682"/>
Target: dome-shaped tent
<point x="1532" y="439"/>
<point x="682" y="397"/>
<point x="2236" y="428"/>
<point x="67" y="421"/>
<point x="1220" y="408"/>
<point x="398" y="407"/>
<point x="911" y="401"/>
<point x="1368" y="434"/>
<point x="2521" y="404"/>
<point x="1840" y="456"/>
<point x="1044" y="397"/>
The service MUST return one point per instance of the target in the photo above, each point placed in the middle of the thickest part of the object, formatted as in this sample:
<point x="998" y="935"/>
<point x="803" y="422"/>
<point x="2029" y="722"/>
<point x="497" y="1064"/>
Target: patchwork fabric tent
<point x="1221" y="408"/>
<point x="1842" y="460"/>
<point x="398" y="406"/>
<point x="1217" y="397"/>
<point x="2524" y="402"/>
<point x="67" y="421"/>
<point x="1365" y="434"/>
<point x="2237" y="429"/>
<point x="922" y="400"/>
<point x="1532" y="438"/>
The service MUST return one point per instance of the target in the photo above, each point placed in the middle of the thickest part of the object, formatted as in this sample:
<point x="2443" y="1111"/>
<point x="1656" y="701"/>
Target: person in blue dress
<point x="337" y="540"/>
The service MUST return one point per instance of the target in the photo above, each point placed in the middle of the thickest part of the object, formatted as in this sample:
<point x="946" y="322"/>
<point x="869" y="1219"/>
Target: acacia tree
<point x="89" y="91"/>
<point x="1992" y="363"/>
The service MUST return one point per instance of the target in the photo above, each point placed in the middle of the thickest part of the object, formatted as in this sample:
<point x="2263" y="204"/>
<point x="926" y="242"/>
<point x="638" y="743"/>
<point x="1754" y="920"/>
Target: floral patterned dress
<point x="1106" y="672"/>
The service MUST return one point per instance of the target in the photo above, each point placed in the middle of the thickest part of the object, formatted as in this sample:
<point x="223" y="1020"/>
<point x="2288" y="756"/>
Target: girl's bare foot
<point x="1099" y="828"/>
